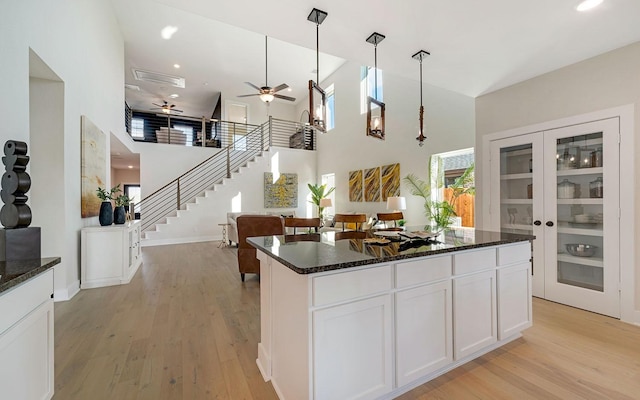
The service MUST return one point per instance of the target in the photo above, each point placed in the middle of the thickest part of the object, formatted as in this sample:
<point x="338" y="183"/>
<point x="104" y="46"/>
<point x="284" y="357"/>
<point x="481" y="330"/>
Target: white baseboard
<point x="181" y="240"/>
<point x="68" y="293"/>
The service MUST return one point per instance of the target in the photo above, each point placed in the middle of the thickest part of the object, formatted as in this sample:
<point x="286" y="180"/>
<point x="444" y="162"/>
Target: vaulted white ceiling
<point x="476" y="46"/>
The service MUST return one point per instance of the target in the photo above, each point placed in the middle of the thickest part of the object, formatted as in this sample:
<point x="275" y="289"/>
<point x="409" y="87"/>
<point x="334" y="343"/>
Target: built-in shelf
<point x="580" y="201"/>
<point x="590" y="261"/>
<point x="520" y="227"/>
<point x="526" y="175"/>
<point x="580" y="231"/>
<point x="580" y="171"/>
<point x="516" y="201"/>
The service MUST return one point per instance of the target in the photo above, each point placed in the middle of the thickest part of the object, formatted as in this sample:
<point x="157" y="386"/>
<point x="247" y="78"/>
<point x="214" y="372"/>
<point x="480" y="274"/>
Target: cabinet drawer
<point x="350" y="285"/>
<point x="474" y="261"/>
<point x="515" y="253"/>
<point x="24" y="298"/>
<point x="421" y="271"/>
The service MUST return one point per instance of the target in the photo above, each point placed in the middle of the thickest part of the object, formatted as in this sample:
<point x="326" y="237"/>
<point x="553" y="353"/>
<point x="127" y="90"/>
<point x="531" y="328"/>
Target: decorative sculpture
<point x="18" y="241"/>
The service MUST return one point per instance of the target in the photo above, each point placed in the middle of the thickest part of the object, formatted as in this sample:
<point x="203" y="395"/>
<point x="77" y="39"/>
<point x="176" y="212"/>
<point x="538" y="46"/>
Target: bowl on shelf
<point x="581" y="250"/>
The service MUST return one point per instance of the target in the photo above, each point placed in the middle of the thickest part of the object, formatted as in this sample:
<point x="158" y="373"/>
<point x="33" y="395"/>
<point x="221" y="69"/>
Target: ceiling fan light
<point x="266" y="97"/>
<point x="587" y="5"/>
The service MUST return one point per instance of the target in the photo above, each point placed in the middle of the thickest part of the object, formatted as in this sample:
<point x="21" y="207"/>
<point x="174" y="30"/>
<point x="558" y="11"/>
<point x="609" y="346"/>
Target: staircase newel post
<point x="270" y="131"/>
<point x="178" y="195"/>
<point x="228" y="162"/>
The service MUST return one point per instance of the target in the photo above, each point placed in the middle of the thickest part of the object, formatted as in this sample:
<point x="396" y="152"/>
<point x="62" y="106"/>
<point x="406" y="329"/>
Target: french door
<point x="562" y="185"/>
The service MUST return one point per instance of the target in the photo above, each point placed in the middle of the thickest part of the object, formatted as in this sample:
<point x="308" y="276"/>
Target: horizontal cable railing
<point x="291" y="134"/>
<point x="242" y="148"/>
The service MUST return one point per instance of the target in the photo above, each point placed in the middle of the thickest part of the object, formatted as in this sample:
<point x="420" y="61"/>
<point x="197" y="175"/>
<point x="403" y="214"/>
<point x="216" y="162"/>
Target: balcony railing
<point x="242" y="143"/>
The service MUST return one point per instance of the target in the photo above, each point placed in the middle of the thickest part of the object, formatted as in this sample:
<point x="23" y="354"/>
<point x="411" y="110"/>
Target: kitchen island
<point x="26" y="328"/>
<point x="362" y="319"/>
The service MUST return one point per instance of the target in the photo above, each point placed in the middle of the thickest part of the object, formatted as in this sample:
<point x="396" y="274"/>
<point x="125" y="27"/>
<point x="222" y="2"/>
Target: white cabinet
<point x="352" y="347"/>
<point x="110" y="255"/>
<point x="474" y="310"/>
<point x="562" y="185"/>
<point x="423" y="331"/>
<point x="514" y="311"/>
<point x="26" y="340"/>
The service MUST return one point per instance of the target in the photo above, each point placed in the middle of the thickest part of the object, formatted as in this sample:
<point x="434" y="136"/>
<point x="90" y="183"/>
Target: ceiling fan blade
<point x="249" y="95"/>
<point x="176" y="110"/>
<point x="280" y="96"/>
<point x="252" y="85"/>
<point x="280" y="87"/>
<point x="156" y="104"/>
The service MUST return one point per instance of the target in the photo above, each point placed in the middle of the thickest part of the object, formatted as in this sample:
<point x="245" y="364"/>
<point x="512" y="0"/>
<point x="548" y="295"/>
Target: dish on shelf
<point x="581" y="250"/>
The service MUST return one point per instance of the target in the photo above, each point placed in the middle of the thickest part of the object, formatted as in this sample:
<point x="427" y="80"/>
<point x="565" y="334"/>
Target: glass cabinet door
<point x="516" y="194"/>
<point x="581" y="216"/>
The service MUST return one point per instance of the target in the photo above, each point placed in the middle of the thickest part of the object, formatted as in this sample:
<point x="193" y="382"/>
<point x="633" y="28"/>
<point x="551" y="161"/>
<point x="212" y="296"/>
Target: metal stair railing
<point x="169" y="198"/>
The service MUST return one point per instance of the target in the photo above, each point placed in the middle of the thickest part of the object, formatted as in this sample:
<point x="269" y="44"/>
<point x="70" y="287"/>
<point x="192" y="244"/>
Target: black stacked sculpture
<point x="18" y="241"/>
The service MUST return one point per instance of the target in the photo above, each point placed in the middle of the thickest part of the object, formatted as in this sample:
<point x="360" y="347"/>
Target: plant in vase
<point x="319" y="193"/>
<point x="120" y="214"/>
<point x="106" y="208"/>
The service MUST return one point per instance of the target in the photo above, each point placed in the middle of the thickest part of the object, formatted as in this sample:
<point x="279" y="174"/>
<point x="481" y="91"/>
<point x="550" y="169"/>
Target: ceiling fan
<point x="267" y="93"/>
<point x="166" y="108"/>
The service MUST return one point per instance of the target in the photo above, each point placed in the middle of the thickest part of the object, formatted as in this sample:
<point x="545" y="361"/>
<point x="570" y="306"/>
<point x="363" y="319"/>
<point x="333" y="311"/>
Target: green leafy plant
<point x="122" y="200"/>
<point x="441" y="212"/>
<point x="319" y="192"/>
<point x="105" y="195"/>
<point x="402" y="222"/>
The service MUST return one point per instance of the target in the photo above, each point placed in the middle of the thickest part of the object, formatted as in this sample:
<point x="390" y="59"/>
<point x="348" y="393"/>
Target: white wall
<point x="449" y="125"/>
<point x="81" y="43"/>
<point x="125" y="177"/>
<point x="609" y="80"/>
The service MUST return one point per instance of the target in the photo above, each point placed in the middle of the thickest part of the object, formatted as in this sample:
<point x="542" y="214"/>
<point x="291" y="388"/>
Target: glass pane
<point x="516" y="188"/>
<point x="580" y="194"/>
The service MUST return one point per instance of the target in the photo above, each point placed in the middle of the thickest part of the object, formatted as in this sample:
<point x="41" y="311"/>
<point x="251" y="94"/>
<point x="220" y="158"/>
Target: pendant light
<point x="421" y="137"/>
<point x="317" y="96"/>
<point x="375" y="121"/>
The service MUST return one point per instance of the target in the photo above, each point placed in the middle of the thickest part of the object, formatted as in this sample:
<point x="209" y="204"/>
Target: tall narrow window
<point x="368" y="86"/>
<point x="331" y="108"/>
<point x="137" y="128"/>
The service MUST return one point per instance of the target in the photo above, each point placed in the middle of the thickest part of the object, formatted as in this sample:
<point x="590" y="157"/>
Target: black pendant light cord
<point x="317" y="52"/>
<point x="375" y="70"/>
<point x="420" y="81"/>
<point x="266" y="65"/>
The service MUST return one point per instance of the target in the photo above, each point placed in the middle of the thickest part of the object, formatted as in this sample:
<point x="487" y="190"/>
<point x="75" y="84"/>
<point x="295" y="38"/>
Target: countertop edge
<point x="45" y="264"/>
<point x="372" y="260"/>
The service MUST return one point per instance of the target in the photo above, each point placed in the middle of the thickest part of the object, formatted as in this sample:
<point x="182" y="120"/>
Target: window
<point x="330" y="181"/>
<point x="137" y="128"/>
<point x="446" y="168"/>
<point x="367" y="87"/>
<point x="331" y="108"/>
<point x="188" y="132"/>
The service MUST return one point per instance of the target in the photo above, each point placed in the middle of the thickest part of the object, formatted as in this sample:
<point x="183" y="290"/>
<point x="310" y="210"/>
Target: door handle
<point x="537" y="222"/>
<point x="549" y="223"/>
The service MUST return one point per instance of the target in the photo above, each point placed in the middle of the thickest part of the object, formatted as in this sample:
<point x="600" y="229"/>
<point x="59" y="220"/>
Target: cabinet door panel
<point x="351" y="350"/>
<point x="514" y="300"/>
<point x="423" y="331"/>
<point x="474" y="310"/>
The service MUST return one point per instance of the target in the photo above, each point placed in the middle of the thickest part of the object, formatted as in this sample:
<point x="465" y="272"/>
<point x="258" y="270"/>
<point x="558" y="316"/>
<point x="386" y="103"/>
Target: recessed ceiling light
<point x="174" y="96"/>
<point x="289" y="89"/>
<point x="588" y="5"/>
<point x="168" y="31"/>
<point x="176" y="66"/>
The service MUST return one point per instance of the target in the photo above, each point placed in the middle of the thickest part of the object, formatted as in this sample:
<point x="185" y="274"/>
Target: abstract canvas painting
<point x="283" y="193"/>
<point x="355" y="185"/>
<point x="390" y="181"/>
<point x="372" y="184"/>
<point x="93" y="166"/>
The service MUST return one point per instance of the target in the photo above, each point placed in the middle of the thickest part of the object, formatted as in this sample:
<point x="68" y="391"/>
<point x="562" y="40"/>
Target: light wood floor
<point x="187" y="328"/>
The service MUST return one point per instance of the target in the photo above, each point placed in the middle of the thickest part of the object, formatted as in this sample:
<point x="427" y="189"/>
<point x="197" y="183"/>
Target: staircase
<point x="191" y="207"/>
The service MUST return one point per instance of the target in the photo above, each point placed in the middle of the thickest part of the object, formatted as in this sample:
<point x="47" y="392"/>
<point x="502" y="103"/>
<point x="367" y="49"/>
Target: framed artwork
<point x="355" y="185"/>
<point x="390" y="181"/>
<point x="372" y="184"/>
<point x="282" y="193"/>
<point x="93" y="166"/>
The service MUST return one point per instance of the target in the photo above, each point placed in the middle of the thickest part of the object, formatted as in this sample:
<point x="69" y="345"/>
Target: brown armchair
<point x="293" y="222"/>
<point x="392" y="216"/>
<point x="251" y="226"/>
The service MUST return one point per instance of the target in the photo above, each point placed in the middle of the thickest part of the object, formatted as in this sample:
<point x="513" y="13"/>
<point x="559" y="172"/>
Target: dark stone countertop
<point x="307" y="254"/>
<point x="13" y="273"/>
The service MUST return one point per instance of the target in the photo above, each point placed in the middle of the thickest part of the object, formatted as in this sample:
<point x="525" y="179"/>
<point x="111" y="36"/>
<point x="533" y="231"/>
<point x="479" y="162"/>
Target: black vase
<point x="119" y="215"/>
<point x="106" y="213"/>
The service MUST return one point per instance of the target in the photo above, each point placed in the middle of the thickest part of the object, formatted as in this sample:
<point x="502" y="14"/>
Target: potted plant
<point x="119" y="213"/>
<point x="319" y="192"/>
<point x="440" y="213"/>
<point x="106" y="208"/>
